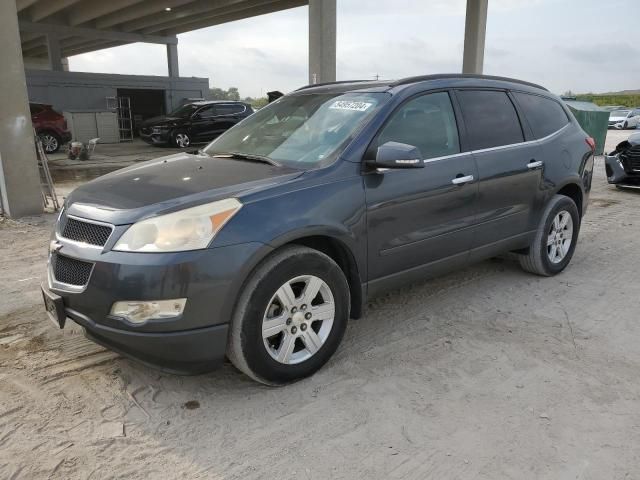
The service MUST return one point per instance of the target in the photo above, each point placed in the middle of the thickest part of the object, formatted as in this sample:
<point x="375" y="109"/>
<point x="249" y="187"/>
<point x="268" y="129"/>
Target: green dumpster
<point x="593" y="119"/>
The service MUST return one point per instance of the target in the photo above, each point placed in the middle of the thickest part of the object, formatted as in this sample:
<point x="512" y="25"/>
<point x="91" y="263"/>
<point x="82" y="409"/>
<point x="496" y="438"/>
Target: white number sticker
<point x="346" y="105"/>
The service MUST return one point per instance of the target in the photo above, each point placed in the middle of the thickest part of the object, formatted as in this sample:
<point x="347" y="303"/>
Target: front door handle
<point x="534" y="164"/>
<point x="462" y="180"/>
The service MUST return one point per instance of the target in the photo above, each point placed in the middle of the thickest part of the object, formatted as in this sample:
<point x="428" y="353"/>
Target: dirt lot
<point x="487" y="373"/>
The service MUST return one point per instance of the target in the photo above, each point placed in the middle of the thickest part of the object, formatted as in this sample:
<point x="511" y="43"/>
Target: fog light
<point x="140" y="311"/>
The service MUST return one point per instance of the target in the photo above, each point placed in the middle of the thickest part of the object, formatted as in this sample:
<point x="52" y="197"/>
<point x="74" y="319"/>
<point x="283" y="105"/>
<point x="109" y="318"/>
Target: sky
<point x="561" y="44"/>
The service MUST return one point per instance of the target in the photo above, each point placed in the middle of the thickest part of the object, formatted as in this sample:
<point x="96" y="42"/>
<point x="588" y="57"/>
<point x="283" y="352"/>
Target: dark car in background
<point x="50" y="126"/>
<point x="623" y="164"/>
<point x="262" y="245"/>
<point x="196" y="122"/>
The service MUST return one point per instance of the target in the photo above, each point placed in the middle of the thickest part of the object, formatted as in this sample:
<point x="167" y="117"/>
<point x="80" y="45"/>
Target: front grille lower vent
<point x="71" y="271"/>
<point x="631" y="158"/>
<point x="85" y="232"/>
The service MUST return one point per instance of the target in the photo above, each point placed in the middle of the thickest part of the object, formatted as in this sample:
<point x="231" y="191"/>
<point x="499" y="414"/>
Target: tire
<point x="625" y="125"/>
<point x="181" y="139"/>
<point x="50" y="142"/>
<point x="256" y="354"/>
<point x="538" y="260"/>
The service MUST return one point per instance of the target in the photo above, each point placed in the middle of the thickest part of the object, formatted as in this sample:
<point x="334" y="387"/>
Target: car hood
<point x="171" y="183"/>
<point x="617" y="119"/>
<point x="161" y="120"/>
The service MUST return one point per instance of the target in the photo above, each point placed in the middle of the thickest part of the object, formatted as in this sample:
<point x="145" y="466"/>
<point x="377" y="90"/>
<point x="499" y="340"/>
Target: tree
<point x="233" y="94"/>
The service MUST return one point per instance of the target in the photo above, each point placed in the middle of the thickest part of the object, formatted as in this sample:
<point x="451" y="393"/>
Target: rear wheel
<point x="50" y="142"/>
<point x="181" y="139"/>
<point x="555" y="239"/>
<point x="290" y="317"/>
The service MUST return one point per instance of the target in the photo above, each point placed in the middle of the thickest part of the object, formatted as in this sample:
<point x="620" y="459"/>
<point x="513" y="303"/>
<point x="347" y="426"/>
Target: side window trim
<point x="534" y="141"/>
<point x="370" y="153"/>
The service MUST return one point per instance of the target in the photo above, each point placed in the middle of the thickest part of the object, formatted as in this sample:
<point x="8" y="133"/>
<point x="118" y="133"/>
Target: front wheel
<point x="50" y="142"/>
<point x="181" y="139"/>
<point x="290" y="317"/>
<point x="555" y="239"/>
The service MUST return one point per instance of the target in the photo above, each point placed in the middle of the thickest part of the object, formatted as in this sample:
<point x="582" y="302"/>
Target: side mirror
<point x="398" y="155"/>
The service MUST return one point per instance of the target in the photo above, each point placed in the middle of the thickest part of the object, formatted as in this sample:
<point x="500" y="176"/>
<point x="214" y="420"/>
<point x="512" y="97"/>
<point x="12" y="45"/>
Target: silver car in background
<point x="623" y="119"/>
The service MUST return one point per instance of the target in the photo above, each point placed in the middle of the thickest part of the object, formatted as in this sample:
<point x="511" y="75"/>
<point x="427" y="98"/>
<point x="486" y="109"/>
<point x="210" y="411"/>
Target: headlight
<point x="189" y="229"/>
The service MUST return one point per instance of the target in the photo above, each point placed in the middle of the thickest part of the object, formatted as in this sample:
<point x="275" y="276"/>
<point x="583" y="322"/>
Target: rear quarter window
<point x="490" y="118"/>
<point x="545" y="116"/>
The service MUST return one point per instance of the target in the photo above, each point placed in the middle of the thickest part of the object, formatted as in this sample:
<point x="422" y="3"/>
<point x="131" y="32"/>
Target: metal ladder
<point x="46" y="182"/>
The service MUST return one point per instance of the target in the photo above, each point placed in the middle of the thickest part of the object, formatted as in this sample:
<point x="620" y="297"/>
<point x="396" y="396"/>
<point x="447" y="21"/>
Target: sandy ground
<point x="486" y="373"/>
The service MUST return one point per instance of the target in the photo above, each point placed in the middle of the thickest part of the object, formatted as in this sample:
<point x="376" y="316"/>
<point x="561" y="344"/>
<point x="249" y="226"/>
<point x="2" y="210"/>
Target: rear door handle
<point x="534" y="164"/>
<point x="462" y="180"/>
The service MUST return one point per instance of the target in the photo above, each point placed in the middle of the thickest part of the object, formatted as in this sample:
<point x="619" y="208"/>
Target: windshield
<point x="184" y="111"/>
<point x="302" y="131"/>
<point x="620" y="113"/>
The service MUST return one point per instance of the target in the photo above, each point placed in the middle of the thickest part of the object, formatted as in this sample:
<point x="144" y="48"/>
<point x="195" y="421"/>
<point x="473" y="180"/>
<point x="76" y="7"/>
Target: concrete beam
<point x="45" y="9"/>
<point x="322" y="41"/>
<point x="138" y="11"/>
<point x="196" y="8"/>
<point x="247" y="6"/>
<point x="55" y="54"/>
<point x="22" y="4"/>
<point x="91" y="33"/>
<point x="92" y="9"/>
<point x="92" y="47"/>
<point x="172" y="61"/>
<point x="475" y="28"/>
<point x="19" y="175"/>
<point x="232" y="17"/>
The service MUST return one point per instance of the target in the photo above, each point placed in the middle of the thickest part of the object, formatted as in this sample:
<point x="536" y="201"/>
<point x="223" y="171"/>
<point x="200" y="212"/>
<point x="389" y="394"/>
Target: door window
<point x="544" y="115"/>
<point x="207" y="112"/>
<point x="426" y="122"/>
<point x="490" y="118"/>
<point x="229" y="109"/>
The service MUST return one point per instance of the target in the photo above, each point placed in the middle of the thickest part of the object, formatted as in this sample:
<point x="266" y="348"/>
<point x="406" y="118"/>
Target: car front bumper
<point x="617" y="174"/>
<point x="159" y="139"/>
<point x="193" y="342"/>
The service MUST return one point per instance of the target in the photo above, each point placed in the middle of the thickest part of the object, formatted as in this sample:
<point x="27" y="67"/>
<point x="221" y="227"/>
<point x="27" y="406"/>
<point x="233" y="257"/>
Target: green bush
<point x="632" y="100"/>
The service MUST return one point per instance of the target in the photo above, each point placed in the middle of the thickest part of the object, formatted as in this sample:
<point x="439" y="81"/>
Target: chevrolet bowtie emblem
<point x="54" y="246"/>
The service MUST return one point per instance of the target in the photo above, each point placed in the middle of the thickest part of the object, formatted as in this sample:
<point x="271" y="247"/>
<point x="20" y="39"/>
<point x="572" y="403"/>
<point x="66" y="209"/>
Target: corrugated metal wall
<point x="88" y="91"/>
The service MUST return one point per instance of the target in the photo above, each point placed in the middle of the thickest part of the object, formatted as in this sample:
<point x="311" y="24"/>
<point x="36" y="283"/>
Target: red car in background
<point x="50" y="126"/>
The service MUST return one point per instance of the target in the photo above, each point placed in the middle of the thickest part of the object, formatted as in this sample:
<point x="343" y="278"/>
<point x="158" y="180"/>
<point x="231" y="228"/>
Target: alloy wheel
<point x="182" y="140"/>
<point x="298" y="319"/>
<point x="49" y="143"/>
<point x="559" y="237"/>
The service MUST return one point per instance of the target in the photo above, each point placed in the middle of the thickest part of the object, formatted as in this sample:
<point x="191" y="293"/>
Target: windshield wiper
<point x="246" y="156"/>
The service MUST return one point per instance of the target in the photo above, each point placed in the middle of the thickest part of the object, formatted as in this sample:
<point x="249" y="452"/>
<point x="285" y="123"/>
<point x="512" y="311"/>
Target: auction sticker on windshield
<point x="346" y="105"/>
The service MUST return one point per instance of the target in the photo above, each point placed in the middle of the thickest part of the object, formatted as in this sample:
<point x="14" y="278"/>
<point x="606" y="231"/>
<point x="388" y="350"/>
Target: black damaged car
<point x="196" y="122"/>
<point x="623" y="164"/>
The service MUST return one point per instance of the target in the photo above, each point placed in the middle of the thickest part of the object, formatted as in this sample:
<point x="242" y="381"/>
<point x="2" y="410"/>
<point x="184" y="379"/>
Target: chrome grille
<point x="71" y="271"/>
<point x="91" y="233"/>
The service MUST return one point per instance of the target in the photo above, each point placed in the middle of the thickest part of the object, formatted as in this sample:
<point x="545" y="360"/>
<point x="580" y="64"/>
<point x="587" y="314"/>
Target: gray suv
<point x="263" y="244"/>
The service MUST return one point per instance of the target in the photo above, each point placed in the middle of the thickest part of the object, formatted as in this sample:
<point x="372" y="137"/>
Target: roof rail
<point x="312" y="85"/>
<point x="422" y="78"/>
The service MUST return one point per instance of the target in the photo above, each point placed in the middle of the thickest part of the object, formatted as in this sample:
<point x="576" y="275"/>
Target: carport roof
<point x="87" y="25"/>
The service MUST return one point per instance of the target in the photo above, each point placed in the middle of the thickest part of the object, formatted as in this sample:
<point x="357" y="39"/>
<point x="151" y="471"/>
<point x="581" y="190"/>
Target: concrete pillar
<point x="172" y="60"/>
<point x="475" y="28"/>
<point x="19" y="176"/>
<point x="322" y="41"/>
<point x="55" y="53"/>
